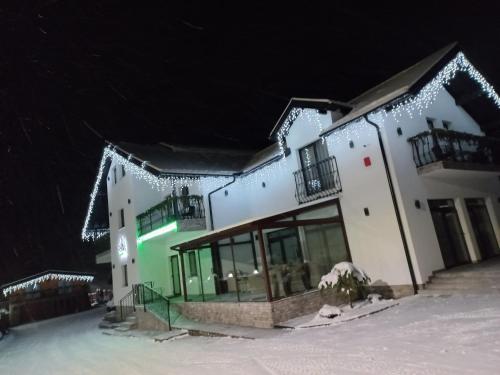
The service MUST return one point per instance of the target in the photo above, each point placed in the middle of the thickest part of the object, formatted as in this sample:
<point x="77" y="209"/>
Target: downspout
<point x="210" y="199"/>
<point x="395" y="203"/>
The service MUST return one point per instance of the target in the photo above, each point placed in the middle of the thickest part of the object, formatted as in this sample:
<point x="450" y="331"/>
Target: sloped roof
<point x="409" y="81"/>
<point x="166" y="158"/>
<point x="321" y="104"/>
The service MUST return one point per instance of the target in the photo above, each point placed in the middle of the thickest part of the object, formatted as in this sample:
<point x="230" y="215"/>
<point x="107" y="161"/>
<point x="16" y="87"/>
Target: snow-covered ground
<point x="421" y="335"/>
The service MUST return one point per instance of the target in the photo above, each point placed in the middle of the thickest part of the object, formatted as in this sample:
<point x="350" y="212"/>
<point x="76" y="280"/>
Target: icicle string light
<point x="312" y="116"/>
<point x="50" y="276"/>
<point x="430" y="91"/>
<point x="410" y="106"/>
<point x="160" y="183"/>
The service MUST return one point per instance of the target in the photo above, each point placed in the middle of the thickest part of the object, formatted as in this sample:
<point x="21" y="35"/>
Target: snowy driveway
<point x="454" y="335"/>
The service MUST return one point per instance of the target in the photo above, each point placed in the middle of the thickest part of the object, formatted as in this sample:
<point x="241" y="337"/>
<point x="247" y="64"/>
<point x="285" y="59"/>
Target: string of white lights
<point x="428" y="94"/>
<point x="50" y="276"/>
<point x="409" y="107"/>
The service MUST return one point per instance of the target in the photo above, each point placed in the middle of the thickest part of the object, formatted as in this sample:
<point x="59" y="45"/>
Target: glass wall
<point x="230" y="270"/>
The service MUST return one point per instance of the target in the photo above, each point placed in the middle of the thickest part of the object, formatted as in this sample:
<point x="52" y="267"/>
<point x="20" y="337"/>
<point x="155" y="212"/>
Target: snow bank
<point x="341" y="269"/>
<point x="329" y="312"/>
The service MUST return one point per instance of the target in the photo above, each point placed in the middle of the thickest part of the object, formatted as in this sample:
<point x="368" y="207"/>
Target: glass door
<point x="449" y="232"/>
<point x="483" y="230"/>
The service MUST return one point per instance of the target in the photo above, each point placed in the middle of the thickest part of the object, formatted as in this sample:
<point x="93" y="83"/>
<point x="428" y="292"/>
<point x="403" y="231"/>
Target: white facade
<point x="368" y="211"/>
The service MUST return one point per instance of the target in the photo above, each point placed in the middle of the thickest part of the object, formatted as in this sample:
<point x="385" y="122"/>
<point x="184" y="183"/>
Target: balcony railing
<point x="171" y="209"/>
<point x="446" y="145"/>
<point x="317" y="180"/>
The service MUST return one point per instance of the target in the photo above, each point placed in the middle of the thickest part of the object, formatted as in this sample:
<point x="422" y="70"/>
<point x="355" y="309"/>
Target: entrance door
<point x="449" y="232"/>
<point x="176" y="280"/>
<point x="483" y="230"/>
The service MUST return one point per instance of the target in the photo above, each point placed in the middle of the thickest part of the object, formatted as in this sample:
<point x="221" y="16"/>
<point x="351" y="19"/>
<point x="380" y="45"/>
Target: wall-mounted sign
<point x="122" y="247"/>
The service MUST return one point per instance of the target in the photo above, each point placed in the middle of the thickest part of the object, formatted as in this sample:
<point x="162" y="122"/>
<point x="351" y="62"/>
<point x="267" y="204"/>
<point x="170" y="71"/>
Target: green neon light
<point x="158" y="232"/>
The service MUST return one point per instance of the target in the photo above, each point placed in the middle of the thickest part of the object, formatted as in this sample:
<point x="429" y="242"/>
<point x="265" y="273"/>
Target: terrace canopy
<point x="266" y="258"/>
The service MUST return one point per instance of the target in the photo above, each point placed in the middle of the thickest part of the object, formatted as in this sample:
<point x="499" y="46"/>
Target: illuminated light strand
<point x="49" y="276"/>
<point x="430" y="91"/>
<point x="409" y="106"/>
<point x="312" y="116"/>
<point x="160" y="183"/>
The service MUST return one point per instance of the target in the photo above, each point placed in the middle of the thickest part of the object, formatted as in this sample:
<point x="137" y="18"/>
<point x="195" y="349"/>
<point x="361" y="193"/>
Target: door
<point x="449" y="232"/>
<point x="481" y="225"/>
<point x="176" y="280"/>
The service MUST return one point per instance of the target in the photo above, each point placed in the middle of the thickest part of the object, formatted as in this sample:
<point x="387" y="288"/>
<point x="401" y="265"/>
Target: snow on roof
<point x="398" y="85"/>
<point x="167" y="158"/>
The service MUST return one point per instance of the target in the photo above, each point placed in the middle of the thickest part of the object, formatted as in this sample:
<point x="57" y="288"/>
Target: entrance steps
<point x="481" y="278"/>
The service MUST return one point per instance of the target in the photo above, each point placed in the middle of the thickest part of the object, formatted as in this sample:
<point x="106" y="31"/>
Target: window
<point x="123" y="170"/>
<point x="114" y="174"/>
<point x="313" y="153"/>
<point x="446" y="125"/>
<point x="125" y="275"/>
<point x="122" y="218"/>
<point x="430" y="123"/>
<point x="193" y="271"/>
<point x="313" y="167"/>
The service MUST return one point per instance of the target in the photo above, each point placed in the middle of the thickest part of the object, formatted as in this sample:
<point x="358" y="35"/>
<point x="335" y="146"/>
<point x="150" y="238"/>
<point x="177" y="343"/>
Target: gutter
<point x="395" y="203"/>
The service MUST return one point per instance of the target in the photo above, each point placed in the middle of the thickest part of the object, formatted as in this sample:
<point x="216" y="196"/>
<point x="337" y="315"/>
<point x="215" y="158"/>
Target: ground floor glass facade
<point x="299" y="248"/>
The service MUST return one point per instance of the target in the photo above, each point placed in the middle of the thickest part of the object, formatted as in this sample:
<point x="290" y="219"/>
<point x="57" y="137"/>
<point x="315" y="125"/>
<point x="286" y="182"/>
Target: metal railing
<point x="152" y="301"/>
<point x="127" y="305"/>
<point x="171" y="209"/>
<point x="317" y="180"/>
<point x="447" y="145"/>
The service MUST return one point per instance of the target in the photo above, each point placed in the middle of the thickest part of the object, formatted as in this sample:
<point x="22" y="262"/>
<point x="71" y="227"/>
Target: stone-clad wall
<point x="267" y="315"/>
<point x="252" y="314"/>
<point x="307" y="303"/>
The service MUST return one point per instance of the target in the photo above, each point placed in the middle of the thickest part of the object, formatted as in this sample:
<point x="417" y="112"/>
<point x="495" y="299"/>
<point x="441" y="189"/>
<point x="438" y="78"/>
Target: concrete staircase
<point x="111" y="321"/>
<point x="481" y="278"/>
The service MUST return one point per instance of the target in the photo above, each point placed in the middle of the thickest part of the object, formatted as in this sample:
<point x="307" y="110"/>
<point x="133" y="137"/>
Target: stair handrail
<point x="150" y="297"/>
<point x="127" y="302"/>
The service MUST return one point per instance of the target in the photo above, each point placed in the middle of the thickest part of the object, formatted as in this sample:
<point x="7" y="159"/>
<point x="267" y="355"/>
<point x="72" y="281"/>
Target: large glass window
<point x="231" y="270"/>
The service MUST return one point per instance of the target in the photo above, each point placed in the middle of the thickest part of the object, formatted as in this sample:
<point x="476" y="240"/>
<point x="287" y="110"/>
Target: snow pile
<point x="329" y="312"/>
<point x="374" y="298"/>
<point x="342" y="269"/>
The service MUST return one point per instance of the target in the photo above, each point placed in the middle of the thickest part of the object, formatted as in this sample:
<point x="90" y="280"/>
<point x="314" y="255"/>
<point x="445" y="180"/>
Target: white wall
<point x="374" y="241"/>
<point x="411" y="186"/>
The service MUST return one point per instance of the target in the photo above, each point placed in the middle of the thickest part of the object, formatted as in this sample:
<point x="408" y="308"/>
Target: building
<point x="402" y="180"/>
<point x="46" y="295"/>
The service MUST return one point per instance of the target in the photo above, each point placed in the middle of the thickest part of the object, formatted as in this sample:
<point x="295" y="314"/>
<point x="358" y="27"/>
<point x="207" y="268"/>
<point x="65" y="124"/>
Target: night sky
<point x="76" y="72"/>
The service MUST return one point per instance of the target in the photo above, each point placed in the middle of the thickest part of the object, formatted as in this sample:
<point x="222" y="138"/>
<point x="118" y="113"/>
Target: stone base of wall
<point x="148" y="321"/>
<point x="269" y="314"/>
<point x="250" y="314"/>
<point x="307" y="303"/>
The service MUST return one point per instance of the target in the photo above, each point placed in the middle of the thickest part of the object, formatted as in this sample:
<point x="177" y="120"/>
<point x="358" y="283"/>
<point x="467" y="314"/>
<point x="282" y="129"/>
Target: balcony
<point x="317" y="181"/>
<point x="450" y="153"/>
<point x="188" y="212"/>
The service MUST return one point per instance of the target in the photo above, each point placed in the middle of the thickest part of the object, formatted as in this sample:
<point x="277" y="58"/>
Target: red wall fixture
<point x="367" y="161"/>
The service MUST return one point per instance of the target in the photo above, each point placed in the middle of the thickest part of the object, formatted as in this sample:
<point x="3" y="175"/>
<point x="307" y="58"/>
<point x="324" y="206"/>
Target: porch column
<point x="495" y="220"/>
<point x="183" y="275"/>
<point x="465" y="223"/>
<point x="264" y="265"/>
